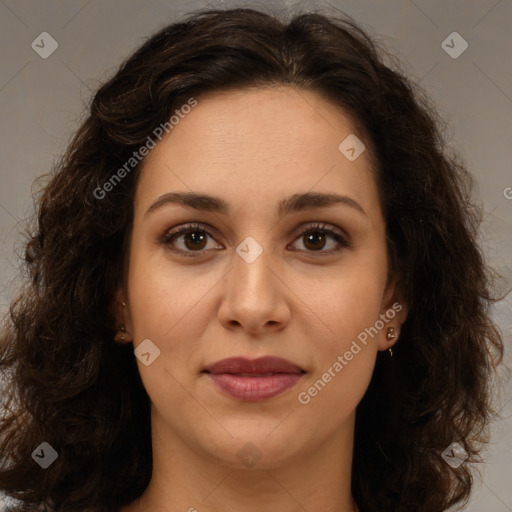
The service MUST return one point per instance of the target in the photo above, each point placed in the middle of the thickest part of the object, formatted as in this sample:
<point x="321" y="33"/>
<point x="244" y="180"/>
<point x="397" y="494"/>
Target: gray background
<point x="42" y="102"/>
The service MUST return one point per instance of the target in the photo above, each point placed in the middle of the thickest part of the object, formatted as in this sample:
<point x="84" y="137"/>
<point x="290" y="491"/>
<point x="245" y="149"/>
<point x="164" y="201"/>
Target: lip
<point x="254" y="380"/>
<point x="261" y="365"/>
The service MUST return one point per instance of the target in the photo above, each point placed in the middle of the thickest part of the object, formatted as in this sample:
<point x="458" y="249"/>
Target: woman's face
<point x="261" y="279"/>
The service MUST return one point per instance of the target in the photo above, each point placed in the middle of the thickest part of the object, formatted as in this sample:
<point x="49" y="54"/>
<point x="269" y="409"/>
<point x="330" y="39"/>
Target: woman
<point x="254" y="284"/>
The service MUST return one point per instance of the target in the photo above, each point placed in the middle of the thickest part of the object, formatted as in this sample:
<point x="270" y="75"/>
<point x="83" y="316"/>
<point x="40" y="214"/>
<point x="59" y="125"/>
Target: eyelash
<point x="197" y="228"/>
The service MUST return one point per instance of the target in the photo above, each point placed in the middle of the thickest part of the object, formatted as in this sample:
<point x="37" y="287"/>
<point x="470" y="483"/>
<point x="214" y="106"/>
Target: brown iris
<point x="318" y="241"/>
<point x="196" y="238"/>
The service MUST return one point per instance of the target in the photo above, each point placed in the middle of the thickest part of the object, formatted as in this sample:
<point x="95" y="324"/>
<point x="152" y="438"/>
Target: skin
<point x="253" y="148"/>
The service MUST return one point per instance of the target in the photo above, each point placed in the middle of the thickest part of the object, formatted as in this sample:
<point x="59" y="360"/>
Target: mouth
<point x="254" y="380"/>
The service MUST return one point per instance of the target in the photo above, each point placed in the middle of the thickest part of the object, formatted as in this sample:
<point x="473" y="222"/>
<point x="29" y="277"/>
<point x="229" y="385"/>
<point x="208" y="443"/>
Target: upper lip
<point x="267" y="364"/>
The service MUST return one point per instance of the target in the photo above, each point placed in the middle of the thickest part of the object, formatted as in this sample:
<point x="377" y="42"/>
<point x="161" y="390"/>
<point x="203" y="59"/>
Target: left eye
<point x="195" y="237"/>
<point x="315" y="236"/>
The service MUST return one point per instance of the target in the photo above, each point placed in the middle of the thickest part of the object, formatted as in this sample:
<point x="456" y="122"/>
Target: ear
<point x="122" y="318"/>
<point x="393" y="313"/>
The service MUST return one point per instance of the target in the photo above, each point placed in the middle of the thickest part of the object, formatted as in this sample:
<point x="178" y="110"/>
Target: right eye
<point x="193" y="236"/>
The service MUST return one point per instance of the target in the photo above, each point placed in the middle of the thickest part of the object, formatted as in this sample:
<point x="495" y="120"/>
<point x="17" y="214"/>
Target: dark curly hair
<point x="71" y="385"/>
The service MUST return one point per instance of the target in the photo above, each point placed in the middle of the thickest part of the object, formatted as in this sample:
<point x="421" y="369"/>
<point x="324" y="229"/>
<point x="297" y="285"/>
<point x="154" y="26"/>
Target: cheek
<point x="348" y="300"/>
<point x="160" y="292"/>
<point x="168" y="306"/>
<point x="343" y="356"/>
<point x="354" y="306"/>
<point x="349" y="310"/>
<point x="344" y="341"/>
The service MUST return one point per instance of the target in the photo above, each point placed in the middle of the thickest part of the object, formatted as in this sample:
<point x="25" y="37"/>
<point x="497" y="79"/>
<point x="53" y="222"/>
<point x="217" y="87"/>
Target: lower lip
<point x="254" y="389"/>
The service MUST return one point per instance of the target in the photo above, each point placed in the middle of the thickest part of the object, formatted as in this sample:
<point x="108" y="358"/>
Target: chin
<point x="254" y="449"/>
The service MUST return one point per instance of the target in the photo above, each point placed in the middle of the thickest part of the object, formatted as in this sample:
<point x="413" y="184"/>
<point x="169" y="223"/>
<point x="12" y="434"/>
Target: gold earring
<point x="123" y="304"/>
<point x="123" y="330"/>
<point x="391" y="335"/>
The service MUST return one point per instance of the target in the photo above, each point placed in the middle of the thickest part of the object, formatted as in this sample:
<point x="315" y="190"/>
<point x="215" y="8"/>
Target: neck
<point x="186" y="479"/>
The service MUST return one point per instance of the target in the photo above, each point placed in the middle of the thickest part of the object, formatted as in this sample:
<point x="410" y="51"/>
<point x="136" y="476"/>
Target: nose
<point x="255" y="298"/>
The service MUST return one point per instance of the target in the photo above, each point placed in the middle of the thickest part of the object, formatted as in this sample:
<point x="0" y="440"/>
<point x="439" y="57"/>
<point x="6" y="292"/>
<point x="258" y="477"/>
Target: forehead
<point x="257" y="144"/>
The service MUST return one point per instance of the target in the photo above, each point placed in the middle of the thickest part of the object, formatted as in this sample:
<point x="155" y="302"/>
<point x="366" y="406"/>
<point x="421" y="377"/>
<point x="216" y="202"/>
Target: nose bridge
<point x="253" y="266"/>
<point x="254" y="295"/>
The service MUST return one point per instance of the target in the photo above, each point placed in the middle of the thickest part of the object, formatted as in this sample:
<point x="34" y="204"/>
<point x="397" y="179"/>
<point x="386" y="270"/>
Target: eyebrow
<point x="292" y="204"/>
